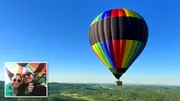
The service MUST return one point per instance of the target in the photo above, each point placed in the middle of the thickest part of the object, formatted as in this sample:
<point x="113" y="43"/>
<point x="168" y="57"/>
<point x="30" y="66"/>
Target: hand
<point x="43" y="84"/>
<point x="30" y="87"/>
<point x="13" y="95"/>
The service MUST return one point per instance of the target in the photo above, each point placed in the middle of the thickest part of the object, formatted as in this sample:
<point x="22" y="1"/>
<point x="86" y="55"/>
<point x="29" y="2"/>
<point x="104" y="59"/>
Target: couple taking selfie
<point x="26" y="84"/>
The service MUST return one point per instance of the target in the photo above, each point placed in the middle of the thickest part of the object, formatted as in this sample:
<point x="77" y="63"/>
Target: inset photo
<point x="26" y="79"/>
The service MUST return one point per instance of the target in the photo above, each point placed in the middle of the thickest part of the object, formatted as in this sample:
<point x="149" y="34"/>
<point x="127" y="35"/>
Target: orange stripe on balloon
<point x="121" y="12"/>
<point x="35" y="65"/>
<point x="122" y="50"/>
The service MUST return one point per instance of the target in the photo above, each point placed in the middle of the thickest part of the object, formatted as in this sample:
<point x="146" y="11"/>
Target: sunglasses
<point x="17" y="80"/>
<point x="28" y="74"/>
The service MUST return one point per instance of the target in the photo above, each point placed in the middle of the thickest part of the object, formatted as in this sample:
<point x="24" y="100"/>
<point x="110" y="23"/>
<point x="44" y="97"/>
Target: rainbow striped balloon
<point x="118" y="37"/>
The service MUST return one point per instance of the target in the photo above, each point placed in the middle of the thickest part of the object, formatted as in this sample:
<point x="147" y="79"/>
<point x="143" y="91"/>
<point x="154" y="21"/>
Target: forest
<point x="103" y="92"/>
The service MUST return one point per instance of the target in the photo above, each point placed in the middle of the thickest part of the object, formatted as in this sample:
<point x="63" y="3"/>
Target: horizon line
<point x="111" y="83"/>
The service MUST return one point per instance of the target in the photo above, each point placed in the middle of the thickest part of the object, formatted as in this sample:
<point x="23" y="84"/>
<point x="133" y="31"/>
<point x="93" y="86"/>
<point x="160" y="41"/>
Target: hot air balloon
<point x="118" y="36"/>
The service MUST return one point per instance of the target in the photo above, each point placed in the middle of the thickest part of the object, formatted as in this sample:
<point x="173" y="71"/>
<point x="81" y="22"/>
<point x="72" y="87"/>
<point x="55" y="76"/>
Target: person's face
<point x="16" y="81"/>
<point x="27" y="77"/>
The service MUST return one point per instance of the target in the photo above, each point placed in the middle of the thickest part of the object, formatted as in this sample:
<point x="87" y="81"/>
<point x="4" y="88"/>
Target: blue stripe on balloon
<point x="102" y="16"/>
<point x="106" y="14"/>
<point x="110" y="51"/>
<point x="104" y="46"/>
<point x="140" y="50"/>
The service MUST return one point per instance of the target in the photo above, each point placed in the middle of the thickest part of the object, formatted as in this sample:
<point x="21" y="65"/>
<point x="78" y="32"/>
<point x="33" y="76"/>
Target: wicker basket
<point x="118" y="83"/>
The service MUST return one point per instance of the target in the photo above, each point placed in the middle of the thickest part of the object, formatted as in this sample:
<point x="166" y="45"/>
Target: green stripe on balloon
<point x="132" y="51"/>
<point x="139" y="16"/>
<point x="99" y="47"/>
<point x="96" y="19"/>
<point x="134" y="54"/>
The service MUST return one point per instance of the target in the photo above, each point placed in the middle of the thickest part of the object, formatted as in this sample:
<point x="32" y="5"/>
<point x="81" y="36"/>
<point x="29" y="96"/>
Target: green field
<point x="104" y="92"/>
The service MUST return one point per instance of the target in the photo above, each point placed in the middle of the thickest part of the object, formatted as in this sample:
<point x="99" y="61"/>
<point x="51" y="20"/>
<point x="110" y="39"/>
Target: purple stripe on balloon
<point x="104" y="46"/>
<point x="110" y="51"/>
<point x="108" y="14"/>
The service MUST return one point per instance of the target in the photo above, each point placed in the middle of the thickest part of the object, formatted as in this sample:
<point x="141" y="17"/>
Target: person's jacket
<point x="10" y="90"/>
<point x="38" y="90"/>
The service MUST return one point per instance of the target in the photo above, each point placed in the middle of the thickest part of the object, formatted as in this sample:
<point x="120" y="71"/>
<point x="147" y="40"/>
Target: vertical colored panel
<point x="134" y="14"/>
<point x="110" y="51"/>
<point x="127" y="50"/>
<point x="139" y="16"/>
<point x="43" y="71"/>
<point x="114" y="13"/>
<point x="122" y="51"/>
<point x="132" y="51"/>
<point x="31" y="67"/>
<point x="98" y="54"/>
<point x="35" y="65"/>
<point x="103" y="54"/>
<point x="135" y="53"/>
<point x="128" y="13"/>
<point x="96" y="19"/>
<point x="103" y="15"/>
<point x="121" y="12"/>
<point x="116" y="50"/>
<point x="140" y="50"/>
<point x="108" y="14"/>
<point x="104" y="47"/>
<point x="20" y="69"/>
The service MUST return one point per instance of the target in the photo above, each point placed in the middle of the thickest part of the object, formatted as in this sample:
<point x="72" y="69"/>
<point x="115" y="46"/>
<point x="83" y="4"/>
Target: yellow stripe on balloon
<point x="127" y="50"/>
<point x="19" y="69"/>
<point x="98" y="46"/>
<point x="132" y="51"/>
<point x="98" y="54"/>
<point x="101" y="51"/>
<point x="128" y="13"/>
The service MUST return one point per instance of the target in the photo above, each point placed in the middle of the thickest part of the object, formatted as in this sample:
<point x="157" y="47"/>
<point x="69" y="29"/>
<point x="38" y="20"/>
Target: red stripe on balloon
<point x="116" y="50"/>
<point x="114" y="13"/>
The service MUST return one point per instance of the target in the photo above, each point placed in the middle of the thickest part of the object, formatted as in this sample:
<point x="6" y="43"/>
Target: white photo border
<point x="47" y="79"/>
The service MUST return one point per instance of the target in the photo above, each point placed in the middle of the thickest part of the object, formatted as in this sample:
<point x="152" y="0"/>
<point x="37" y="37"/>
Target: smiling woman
<point x="26" y="79"/>
<point x="12" y="87"/>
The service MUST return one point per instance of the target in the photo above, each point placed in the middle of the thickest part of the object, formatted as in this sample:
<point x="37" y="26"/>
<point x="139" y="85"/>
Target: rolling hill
<point x="104" y="92"/>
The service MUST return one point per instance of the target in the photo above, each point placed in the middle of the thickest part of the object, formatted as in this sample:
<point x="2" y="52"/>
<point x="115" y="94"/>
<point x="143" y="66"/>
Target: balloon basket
<point x="118" y="83"/>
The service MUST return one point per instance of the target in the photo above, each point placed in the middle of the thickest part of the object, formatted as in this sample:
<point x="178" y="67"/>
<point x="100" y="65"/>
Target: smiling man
<point x="30" y="87"/>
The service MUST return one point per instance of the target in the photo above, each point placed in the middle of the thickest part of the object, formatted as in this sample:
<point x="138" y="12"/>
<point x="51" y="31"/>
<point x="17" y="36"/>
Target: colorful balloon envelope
<point x="118" y="37"/>
<point x="37" y="68"/>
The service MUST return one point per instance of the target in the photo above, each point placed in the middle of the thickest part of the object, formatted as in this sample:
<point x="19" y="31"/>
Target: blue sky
<point x="56" y="31"/>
